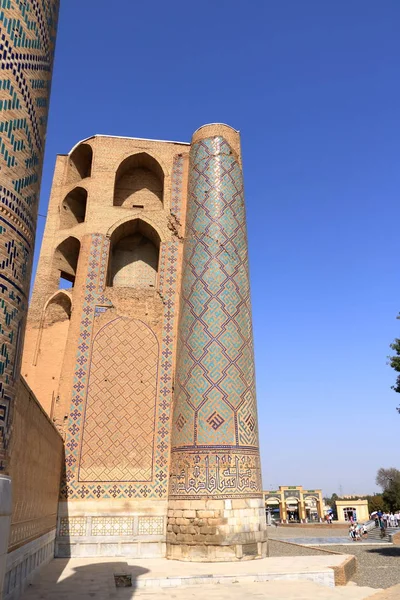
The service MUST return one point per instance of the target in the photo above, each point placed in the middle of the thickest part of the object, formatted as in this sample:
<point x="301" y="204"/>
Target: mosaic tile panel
<point x="155" y="486"/>
<point x="72" y="526"/>
<point x="117" y="442"/>
<point x="151" y="526"/>
<point x="27" y="39"/>
<point x="215" y="435"/>
<point x="112" y="526"/>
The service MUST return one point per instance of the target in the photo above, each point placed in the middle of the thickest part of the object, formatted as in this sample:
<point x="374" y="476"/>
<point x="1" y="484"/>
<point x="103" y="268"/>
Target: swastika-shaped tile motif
<point x="177" y="175"/>
<point x="27" y="39"/>
<point x="215" y="435"/>
<point x="118" y="433"/>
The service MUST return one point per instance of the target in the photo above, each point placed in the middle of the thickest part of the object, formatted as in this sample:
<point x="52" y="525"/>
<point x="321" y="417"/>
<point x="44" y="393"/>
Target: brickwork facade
<point x="126" y="250"/>
<point x="36" y="456"/>
<point x="27" y="32"/>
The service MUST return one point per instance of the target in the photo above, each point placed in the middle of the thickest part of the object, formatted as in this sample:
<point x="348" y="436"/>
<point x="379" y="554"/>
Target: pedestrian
<point x="383" y="528"/>
<point x="391" y="520"/>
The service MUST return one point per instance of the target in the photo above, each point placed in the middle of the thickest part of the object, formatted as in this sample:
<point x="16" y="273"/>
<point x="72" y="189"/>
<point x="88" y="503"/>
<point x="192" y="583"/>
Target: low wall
<point x="36" y="457"/>
<point x="23" y="563"/>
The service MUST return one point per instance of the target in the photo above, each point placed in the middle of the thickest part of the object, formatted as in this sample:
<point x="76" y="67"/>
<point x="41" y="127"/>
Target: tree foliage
<point x="389" y="481"/>
<point x="394" y="362"/>
<point x="391" y="496"/>
<point x="375" y="503"/>
<point x="385" y="477"/>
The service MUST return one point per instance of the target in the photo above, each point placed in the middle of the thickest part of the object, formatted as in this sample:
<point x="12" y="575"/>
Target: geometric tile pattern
<point x="215" y="434"/>
<point x="112" y="525"/>
<point x="156" y="486"/>
<point x="151" y="525"/>
<point x="27" y="39"/>
<point x="119" y="426"/>
<point x="177" y="176"/>
<point x="72" y="526"/>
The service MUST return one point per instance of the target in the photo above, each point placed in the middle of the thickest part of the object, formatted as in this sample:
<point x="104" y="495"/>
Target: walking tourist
<point x="383" y="528"/>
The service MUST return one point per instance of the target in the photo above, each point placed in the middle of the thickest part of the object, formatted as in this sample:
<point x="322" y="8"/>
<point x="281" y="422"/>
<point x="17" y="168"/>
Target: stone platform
<point x="84" y="578"/>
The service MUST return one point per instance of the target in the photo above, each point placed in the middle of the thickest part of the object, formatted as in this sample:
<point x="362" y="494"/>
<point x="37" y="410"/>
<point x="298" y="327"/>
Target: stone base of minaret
<point x="216" y="530"/>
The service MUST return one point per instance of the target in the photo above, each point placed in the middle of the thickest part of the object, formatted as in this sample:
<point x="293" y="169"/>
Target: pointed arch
<point x="134" y="255"/>
<point x="73" y="208"/>
<point x="80" y="163"/>
<point x="59" y="307"/>
<point x="66" y="257"/>
<point x="139" y="182"/>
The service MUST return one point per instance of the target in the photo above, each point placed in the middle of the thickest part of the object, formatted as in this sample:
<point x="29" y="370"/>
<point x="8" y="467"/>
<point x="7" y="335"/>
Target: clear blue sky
<point x="314" y="88"/>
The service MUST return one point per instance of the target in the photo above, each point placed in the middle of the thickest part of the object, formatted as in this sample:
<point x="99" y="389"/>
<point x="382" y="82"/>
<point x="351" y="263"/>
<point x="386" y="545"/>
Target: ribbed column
<point x="28" y="31"/>
<point x="216" y="509"/>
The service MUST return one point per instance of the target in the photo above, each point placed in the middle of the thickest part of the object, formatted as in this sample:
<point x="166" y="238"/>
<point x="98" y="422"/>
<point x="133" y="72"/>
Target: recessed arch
<point x="66" y="258"/>
<point x="134" y="255"/>
<point x="139" y="182"/>
<point x="80" y="163"/>
<point x="73" y="208"/>
<point x="58" y="307"/>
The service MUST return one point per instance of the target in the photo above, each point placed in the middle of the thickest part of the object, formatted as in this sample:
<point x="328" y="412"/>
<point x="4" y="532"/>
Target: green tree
<point x="394" y="362"/>
<point x="375" y="503"/>
<point x="391" y="496"/>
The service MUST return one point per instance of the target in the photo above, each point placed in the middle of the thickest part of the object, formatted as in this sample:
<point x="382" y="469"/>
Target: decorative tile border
<point x="177" y="177"/>
<point x="112" y="526"/>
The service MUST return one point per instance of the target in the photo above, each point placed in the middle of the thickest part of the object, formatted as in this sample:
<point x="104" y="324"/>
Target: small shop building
<point x="293" y="504"/>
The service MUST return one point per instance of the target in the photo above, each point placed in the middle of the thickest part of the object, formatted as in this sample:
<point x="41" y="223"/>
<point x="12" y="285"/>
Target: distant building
<point x="294" y="504"/>
<point x="350" y="509"/>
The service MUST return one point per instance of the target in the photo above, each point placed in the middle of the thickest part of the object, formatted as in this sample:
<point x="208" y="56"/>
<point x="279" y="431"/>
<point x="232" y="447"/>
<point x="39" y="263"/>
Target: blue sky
<point x="314" y="89"/>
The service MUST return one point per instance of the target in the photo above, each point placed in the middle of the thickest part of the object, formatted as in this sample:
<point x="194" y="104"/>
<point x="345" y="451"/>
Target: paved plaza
<point x="378" y="562"/>
<point x="321" y="536"/>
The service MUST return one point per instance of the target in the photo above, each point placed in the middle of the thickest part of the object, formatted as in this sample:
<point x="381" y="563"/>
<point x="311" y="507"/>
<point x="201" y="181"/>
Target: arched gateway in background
<point x="143" y="289"/>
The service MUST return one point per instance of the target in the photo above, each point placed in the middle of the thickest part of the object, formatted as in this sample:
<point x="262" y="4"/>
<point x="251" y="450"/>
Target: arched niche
<point x="80" y="163"/>
<point x="66" y="259"/>
<point x="134" y="256"/>
<point x="58" y="308"/>
<point x="139" y="183"/>
<point x="73" y="208"/>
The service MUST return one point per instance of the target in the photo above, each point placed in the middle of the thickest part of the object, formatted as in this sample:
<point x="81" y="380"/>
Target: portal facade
<point x="139" y="346"/>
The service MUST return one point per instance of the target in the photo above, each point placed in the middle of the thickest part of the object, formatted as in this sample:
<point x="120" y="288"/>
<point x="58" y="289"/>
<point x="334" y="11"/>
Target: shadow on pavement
<point x="386" y="551"/>
<point x="94" y="580"/>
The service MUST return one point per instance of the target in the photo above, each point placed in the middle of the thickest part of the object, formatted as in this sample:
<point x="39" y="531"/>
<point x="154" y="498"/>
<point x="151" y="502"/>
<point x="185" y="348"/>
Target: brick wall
<point x="35" y="468"/>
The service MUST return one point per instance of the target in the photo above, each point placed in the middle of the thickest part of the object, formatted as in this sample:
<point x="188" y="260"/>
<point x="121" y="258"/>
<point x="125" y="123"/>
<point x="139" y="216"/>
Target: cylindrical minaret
<point x="216" y="507"/>
<point x="28" y="31"/>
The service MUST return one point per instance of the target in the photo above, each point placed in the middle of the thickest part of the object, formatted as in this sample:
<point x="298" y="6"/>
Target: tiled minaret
<point x="215" y="498"/>
<point x="27" y="32"/>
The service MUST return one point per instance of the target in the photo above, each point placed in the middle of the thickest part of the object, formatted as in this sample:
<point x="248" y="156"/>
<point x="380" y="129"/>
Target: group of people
<point x="385" y="520"/>
<point x="357" y="531"/>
